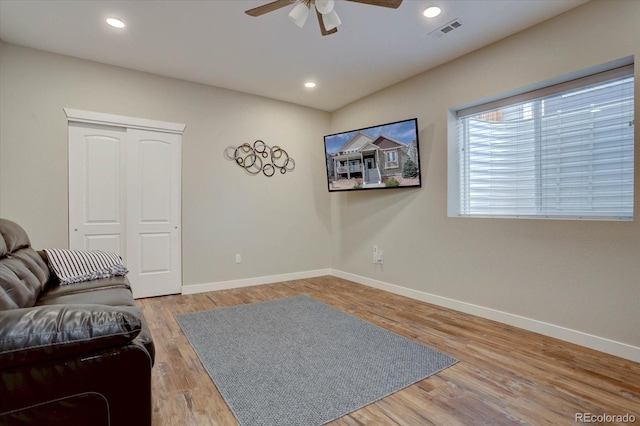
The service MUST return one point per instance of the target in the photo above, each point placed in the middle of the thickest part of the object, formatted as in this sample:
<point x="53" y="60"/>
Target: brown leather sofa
<point x="77" y="354"/>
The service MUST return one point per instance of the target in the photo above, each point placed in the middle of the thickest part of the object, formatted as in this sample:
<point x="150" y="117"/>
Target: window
<point x="391" y="159"/>
<point x="563" y="151"/>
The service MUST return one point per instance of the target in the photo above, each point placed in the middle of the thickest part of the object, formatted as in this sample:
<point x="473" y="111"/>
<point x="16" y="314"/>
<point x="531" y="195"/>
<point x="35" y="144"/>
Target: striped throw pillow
<point x="74" y="266"/>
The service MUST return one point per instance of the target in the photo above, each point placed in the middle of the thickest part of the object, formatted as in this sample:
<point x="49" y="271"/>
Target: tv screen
<point x="378" y="157"/>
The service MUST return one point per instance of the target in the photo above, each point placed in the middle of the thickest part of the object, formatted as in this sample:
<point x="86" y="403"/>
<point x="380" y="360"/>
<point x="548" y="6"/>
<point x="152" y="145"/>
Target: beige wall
<point x="581" y="275"/>
<point x="270" y="221"/>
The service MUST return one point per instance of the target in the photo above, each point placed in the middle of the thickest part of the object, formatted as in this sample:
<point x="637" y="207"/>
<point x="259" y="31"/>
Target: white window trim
<point x="453" y="169"/>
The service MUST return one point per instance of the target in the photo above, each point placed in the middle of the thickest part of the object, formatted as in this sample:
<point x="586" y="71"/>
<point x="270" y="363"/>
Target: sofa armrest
<point x="40" y="333"/>
<point x="106" y="387"/>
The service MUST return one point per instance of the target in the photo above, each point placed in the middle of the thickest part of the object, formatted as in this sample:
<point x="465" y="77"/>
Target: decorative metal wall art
<point x="259" y="157"/>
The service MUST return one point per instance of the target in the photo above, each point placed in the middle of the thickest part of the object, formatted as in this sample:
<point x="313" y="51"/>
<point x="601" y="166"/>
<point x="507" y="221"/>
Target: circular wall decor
<point x="260" y="157"/>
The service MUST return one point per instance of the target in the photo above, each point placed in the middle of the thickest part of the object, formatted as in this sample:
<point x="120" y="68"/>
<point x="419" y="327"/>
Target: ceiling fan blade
<point x="393" y="4"/>
<point x="323" y="30"/>
<point x="269" y="7"/>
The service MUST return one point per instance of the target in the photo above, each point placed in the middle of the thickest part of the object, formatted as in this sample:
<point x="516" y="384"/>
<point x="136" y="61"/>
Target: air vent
<point x="447" y="28"/>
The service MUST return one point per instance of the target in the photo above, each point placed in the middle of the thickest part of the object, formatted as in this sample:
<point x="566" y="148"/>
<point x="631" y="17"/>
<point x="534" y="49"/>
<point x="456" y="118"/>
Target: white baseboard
<point x="247" y="282"/>
<point x="601" y="344"/>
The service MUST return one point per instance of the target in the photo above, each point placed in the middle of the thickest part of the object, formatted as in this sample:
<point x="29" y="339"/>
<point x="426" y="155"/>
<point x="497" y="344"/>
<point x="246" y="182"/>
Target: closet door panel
<point x="153" y="212"/>
<point x="96" y="188"/>
<point x="154" y="165"/>
<point x="108" y="242"/>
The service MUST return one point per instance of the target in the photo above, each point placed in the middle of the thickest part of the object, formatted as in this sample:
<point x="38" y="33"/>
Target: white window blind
<point x="565" y="151"/>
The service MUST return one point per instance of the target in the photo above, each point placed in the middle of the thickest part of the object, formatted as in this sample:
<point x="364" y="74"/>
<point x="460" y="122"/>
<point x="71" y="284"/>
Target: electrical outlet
<point x="377" y="255"/>
<point x="238" y="258"/>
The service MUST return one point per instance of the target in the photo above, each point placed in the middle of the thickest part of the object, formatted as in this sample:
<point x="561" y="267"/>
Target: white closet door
<point x="124" y="197"/>
<point x="153" y="212"/>
<point x="97" y="188"/>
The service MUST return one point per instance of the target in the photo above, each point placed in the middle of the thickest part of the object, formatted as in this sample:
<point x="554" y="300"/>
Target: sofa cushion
<point x="114" y="291"/>
<point x="46" y="332"/>
<point x="23" y="273"/>
<point x="116" y="296"/>
<point x="3" y="247"/>
<point x="54" y="290"/>
<point x="13" y="235"/>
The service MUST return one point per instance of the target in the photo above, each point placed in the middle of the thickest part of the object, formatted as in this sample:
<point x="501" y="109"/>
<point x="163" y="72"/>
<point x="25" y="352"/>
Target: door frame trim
<point x="91" y="117"/>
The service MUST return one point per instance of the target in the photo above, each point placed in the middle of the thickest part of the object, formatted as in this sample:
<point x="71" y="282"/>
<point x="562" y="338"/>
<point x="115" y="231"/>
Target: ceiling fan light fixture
<point x="432" y="12"/>
<point x="299" y="14"/>
<point x="115" y="23"/>
<point x="331" y="20"/>
<point x="324" y="6"/>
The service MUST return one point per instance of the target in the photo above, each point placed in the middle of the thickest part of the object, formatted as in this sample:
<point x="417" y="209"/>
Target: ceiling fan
<point x="327" y="16"/>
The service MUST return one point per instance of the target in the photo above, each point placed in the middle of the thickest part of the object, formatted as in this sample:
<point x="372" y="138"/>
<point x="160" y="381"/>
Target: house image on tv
<point x="370" y="161"/>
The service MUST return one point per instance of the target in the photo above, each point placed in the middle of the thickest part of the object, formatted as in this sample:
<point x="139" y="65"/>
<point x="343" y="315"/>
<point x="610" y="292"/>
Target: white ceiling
<point x="216" y="43"/>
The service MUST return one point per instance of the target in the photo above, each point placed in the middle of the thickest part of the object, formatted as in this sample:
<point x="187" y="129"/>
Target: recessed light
<point x="310" y="84"/>
<point x="432" y="12"/>
<point x="115" y="23"/>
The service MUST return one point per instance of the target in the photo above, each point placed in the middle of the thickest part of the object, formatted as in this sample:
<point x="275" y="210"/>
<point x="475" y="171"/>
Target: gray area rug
<point x="300" y="362"/>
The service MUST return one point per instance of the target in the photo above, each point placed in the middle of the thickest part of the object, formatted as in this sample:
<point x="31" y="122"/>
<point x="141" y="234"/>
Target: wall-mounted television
<point x="378" y="157"/>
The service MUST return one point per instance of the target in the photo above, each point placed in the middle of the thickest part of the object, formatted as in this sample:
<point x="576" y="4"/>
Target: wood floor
<point x="505" y="376"/>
